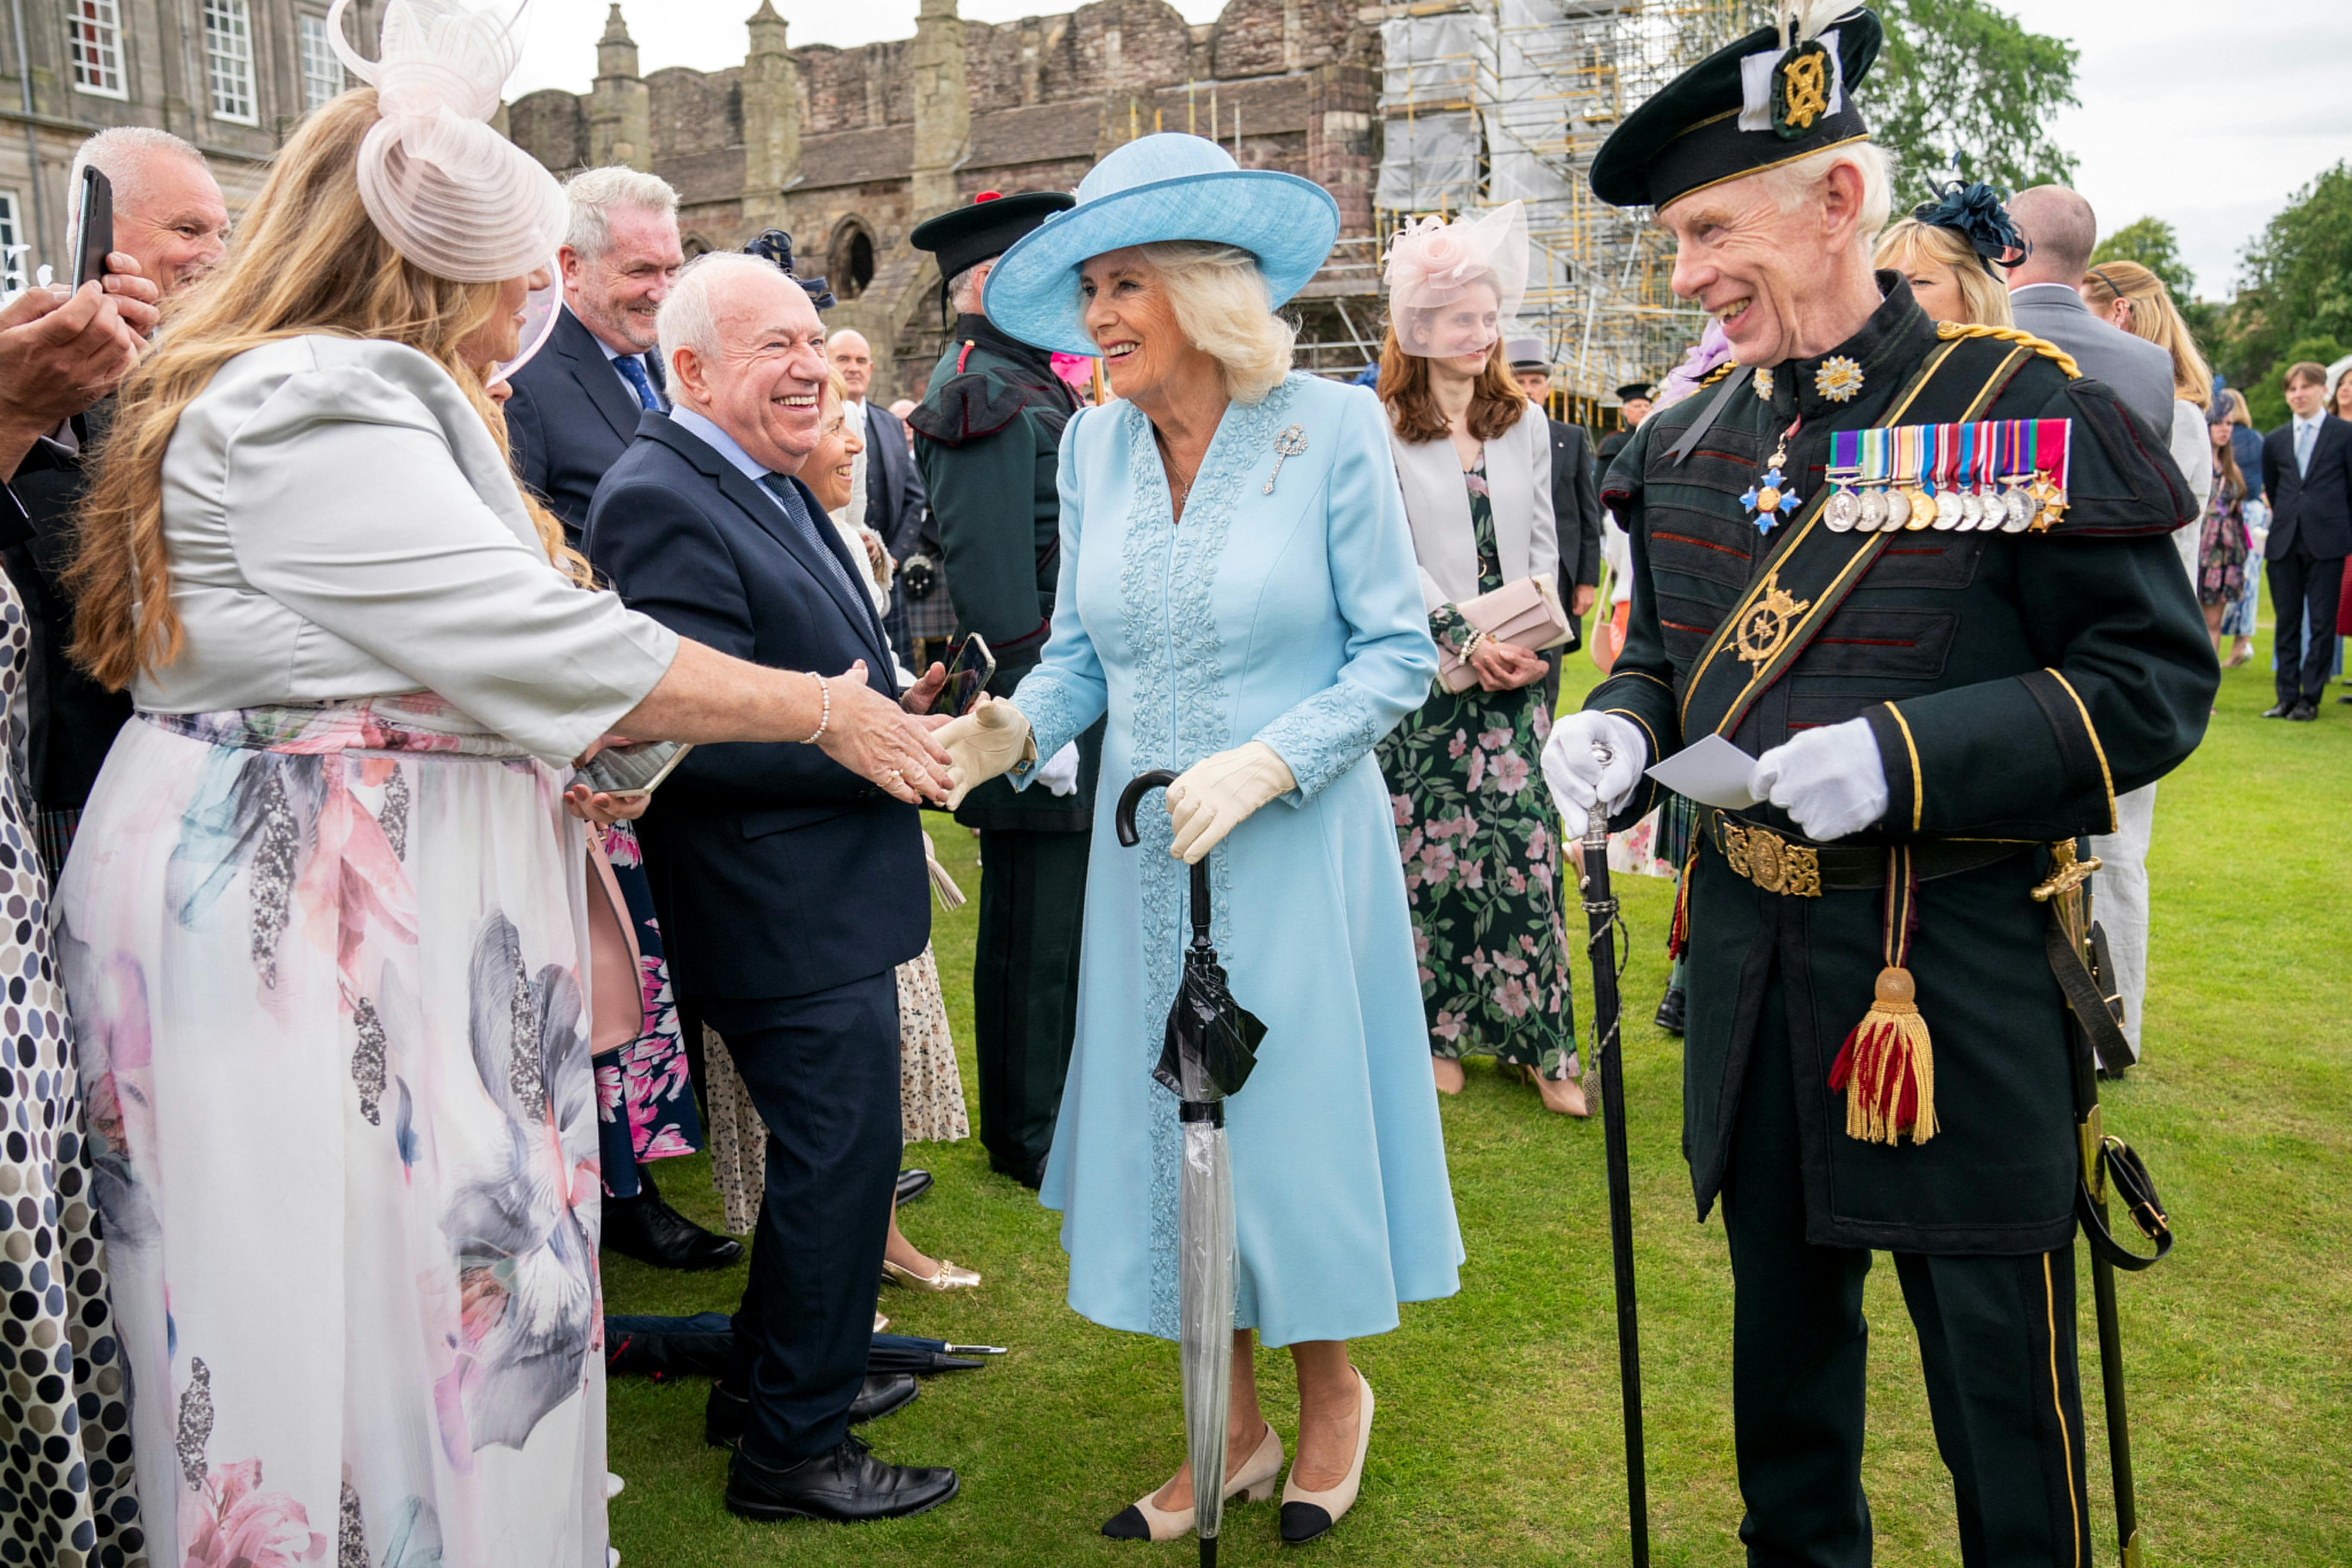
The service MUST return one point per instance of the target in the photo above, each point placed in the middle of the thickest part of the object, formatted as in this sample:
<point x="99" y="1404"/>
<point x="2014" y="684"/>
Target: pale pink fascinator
<point x="451" y="195"/>
<point x="1439" y="276"/>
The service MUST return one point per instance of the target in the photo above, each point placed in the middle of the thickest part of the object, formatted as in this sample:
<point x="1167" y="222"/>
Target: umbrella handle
<point x="1123" y="823"/>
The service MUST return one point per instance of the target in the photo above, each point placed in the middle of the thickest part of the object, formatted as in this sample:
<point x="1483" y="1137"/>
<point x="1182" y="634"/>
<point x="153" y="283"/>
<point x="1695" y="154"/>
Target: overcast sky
<point x="2208" y="115"/>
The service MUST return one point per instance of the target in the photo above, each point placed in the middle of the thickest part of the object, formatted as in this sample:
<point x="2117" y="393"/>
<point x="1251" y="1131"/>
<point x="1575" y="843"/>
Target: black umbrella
<point x="1210" y="1046"/>
<point x="703" y="1345"/>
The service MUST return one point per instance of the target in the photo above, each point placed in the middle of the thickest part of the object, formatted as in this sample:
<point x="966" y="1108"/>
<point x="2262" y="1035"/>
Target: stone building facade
<point x="849" y="148"/>
<point x="231" y="76"/>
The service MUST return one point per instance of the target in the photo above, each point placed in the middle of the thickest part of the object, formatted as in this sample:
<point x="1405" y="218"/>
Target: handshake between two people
<point x="1832" y="781"/>
<point x="890" y="743"/>
<point x="1208" y="801"/>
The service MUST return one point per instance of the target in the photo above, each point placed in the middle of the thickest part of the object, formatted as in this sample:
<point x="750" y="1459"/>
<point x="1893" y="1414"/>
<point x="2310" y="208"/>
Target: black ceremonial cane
<point x="1601" y="946"/>
<point x="2106" y="1163"/>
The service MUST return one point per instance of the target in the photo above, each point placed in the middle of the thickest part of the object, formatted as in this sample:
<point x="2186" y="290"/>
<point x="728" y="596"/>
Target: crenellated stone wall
<point x="849" y="148"/>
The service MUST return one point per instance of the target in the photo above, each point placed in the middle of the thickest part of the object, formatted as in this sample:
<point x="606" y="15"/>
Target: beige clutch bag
<point x="1526" y="613"/>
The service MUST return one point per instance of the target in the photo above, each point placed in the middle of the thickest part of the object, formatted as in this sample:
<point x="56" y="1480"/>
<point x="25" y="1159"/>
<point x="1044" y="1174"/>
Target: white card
<point x="1714" y="772"/>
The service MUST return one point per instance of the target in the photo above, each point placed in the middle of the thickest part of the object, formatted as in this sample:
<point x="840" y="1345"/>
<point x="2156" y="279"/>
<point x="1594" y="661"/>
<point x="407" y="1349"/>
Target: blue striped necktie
<point x="633" y="370"/>
<point x="790" y="499"/>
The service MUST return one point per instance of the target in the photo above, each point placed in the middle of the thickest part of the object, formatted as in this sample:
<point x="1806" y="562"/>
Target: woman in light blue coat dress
<point x="1238" y="592"/>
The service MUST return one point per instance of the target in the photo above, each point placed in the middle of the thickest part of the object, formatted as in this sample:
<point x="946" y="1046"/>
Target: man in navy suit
<point x="2307" y="475"/>
<point x="795" y="887"/>
<point x="576" y="403"/>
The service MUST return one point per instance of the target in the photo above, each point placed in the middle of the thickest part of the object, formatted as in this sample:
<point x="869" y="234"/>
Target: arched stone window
<point x="849" y="260"/>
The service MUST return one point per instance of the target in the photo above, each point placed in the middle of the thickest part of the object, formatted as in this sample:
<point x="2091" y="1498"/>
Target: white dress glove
<point x="990" y="740"/>
<point x="1217" y="794"/>
<point x="1832" y="780"/>
<point x="1578" y="777"/>
<point x="1059" y="774"/>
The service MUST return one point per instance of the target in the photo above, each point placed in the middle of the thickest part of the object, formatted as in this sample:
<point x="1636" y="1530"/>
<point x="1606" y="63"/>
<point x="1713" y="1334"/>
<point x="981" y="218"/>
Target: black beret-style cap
<point x="1685" y="136"/>
<point x="967" y="236"/>
<point x="1632" y="390"/>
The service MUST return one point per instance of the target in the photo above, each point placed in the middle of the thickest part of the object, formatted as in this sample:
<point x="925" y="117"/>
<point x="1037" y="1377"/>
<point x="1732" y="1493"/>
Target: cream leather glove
<point x="1217" y="794"/>
<point x="990" y="740"/>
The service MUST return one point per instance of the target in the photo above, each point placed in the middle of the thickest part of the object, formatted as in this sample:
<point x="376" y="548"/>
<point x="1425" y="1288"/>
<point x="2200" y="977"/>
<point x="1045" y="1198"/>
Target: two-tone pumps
<point x="1308" y="1515"/>
<point x="1254" y="1483"/>
<point x="1305" y="1514"/>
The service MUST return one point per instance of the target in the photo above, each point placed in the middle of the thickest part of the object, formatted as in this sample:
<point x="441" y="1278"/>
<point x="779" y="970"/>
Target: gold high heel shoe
<point x="1308" y="1515"/>
<point x="1254" y="1483"/>
<point x="948" y="1278"/>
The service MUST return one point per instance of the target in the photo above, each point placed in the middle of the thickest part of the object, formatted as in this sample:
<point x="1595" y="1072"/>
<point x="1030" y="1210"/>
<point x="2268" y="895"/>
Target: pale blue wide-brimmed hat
<point x="1160" y="187"/>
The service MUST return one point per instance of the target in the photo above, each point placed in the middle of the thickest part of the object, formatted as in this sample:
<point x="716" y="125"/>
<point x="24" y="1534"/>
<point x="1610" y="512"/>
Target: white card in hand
<point x="1712" y="772"/>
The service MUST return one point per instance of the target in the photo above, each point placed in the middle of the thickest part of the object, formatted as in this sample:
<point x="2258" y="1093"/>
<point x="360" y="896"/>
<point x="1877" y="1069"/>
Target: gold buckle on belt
<point x="1769" y="860"/>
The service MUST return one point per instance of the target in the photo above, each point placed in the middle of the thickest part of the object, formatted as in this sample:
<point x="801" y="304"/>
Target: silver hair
<point x="121" y="153"/>
<point x="1218" y="299"/>
<point x="1792" y="183"/>
<point x="965" y="292"/>
<point x="688" y="318"/>
<point x="595" y="193"/>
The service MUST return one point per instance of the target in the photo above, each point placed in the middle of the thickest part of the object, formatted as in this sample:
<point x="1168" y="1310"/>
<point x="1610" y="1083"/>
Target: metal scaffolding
<point x="1487" y="101"/>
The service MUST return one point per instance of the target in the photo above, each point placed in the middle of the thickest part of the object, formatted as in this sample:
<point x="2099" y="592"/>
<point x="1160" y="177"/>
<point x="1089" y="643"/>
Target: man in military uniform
<point x="1877" y="1054"/>
<point x="987" y="439"/>
<point x="1633" y="399"/>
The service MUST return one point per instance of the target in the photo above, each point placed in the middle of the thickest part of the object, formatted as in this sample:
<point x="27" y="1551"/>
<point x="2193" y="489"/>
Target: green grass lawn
<point x="1497" y="1435"/>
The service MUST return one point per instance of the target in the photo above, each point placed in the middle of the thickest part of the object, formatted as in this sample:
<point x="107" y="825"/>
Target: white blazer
<point x="1437" y="505"/>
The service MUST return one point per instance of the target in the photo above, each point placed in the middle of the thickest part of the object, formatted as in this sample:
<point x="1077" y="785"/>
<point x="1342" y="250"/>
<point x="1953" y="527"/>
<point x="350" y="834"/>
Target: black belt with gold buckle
<point x="1795" y="869"/>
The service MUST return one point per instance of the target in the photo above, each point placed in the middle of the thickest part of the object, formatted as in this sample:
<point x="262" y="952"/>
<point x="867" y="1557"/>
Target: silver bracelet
<point x="825" y="689"/>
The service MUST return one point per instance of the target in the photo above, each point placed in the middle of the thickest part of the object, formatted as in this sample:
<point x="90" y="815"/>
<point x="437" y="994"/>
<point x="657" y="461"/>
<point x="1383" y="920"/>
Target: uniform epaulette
<point x="2042" y="346"/>
<point x="967" y="407"/>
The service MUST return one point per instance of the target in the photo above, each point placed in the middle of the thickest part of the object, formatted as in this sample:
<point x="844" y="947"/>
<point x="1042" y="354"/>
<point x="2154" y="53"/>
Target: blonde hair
<point x="2239" y="413"/>
<point x="1219" y="302"/>
<point x="306" y="260"/>
<point x="1983" y="296"/>
<point x="2153" y="316"/>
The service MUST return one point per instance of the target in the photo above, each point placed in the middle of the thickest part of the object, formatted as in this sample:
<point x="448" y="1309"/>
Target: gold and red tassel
<point x="1887" y="1066"/>
<point x="1678" y="929"/>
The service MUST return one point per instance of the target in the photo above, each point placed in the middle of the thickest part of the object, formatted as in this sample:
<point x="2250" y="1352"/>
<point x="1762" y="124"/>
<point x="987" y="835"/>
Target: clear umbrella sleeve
<point x="1205" y="1235"/>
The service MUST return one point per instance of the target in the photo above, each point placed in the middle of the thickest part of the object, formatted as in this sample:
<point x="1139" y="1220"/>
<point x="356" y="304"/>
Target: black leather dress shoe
<point x="848" y="1486"/>
<point x="724" y="1417"/>
<point x="1032" y="1176"/>
<point x="1670" y="1011"/>
<point x="650" y="1230"/>
<point x="2304" y="713"/>
<point x="2279" y="710"/>
<point x="912" y="1185"/>
<point x="727" y="1415"/>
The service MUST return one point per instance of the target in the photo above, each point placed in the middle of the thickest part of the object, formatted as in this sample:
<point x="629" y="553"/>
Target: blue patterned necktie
<point x="633" y="370"/>
<point x="790" y="499"/>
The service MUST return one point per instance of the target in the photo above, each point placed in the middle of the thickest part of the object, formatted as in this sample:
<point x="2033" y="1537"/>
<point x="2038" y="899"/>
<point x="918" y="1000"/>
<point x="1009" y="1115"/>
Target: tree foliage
<point x="2294" y="292"/>
<point x="2155" y="245"/>
<point x="1963" y="86"/>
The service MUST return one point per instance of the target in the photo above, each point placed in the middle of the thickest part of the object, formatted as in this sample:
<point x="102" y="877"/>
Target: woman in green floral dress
<point x="1479" y="838"/>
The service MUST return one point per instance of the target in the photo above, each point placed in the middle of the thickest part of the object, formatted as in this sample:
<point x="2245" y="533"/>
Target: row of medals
<point x="1886" y="508"/>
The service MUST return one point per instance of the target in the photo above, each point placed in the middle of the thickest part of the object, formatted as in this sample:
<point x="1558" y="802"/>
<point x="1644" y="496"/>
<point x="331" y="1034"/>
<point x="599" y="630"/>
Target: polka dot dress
<point x="66" y="1493"/>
